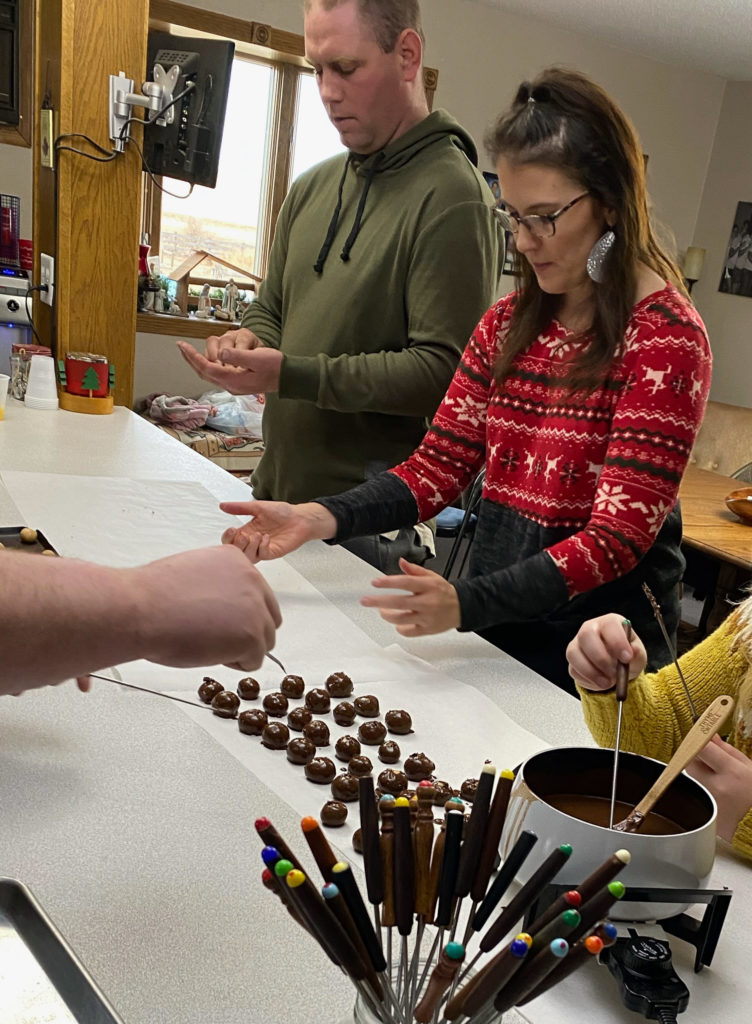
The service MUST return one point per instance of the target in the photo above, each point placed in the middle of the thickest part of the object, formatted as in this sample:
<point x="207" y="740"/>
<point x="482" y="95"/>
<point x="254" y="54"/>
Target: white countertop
<point x="134" y="828"/>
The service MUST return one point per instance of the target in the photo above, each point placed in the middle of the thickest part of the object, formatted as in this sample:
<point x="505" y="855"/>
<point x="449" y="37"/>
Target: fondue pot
<point x="579" y="779"/>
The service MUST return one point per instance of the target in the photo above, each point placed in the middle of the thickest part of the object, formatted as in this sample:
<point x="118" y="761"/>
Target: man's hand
<point x="206" y="607"/>
<point x="430" y="606"/>
<point x="277" y="528"/>
<point x="727" y="773"/>
<point x="599" y="646"/>
<point x="237" y="362"/>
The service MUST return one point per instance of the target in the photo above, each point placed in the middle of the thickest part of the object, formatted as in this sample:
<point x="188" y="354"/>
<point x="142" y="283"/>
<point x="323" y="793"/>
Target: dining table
<point x="708" y="525"/>
<point x="131" y="819"/>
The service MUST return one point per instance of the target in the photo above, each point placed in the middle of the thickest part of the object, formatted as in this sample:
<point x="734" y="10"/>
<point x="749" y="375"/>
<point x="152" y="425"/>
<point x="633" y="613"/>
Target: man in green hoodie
<point x="383" y="261"/>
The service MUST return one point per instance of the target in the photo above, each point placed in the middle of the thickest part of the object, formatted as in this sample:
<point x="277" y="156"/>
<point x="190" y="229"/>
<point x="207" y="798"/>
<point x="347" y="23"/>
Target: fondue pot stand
<point x="679" y="861"/>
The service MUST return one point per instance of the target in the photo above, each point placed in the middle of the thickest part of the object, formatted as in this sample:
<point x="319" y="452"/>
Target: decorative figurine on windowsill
<point x="204" y="303"/>
<point x="86" y="380"/>
<point x="230" y="298"/>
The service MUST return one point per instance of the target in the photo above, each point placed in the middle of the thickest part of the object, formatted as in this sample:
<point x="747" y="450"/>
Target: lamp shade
<point x="694" y="260"/>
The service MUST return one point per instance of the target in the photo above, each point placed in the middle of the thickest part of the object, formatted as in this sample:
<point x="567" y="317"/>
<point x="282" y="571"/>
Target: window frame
<point x="21" y="134"/>
<point x="285" y="51"/>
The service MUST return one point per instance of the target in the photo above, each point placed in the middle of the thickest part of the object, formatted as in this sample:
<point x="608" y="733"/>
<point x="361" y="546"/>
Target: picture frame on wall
<point x="492" y="181"/>
<point x="736" y="276"/>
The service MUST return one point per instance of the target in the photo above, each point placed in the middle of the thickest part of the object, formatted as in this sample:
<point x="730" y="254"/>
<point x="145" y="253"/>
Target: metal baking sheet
<point x="41" y="980"/>
<point x="10" y="537"/>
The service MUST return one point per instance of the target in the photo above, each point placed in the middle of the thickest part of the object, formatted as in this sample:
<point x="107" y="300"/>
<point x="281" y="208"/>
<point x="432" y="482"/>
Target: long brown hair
<point x="566" y="121"/>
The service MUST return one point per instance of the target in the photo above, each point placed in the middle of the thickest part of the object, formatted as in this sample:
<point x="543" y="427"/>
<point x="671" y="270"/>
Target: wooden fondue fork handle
<point x="706" y="726"/>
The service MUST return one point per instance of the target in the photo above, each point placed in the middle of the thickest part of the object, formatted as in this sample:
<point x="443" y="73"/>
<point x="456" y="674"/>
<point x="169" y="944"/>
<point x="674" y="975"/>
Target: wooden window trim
<point x="253" y="39"/>
<point x="21" y="134"/>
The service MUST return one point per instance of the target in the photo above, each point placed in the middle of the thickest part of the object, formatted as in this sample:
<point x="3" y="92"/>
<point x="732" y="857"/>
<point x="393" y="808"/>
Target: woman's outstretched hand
<point x="276" y="527"/>
<point x="430" y="605"/>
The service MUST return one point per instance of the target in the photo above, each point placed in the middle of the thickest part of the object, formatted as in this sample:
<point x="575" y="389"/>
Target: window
<point x="224" y="220"/>
<point x="275" y="129"/>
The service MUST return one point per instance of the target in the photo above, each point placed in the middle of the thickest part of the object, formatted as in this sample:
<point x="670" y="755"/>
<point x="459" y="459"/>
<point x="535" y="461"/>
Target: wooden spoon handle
<point x="706" y="726"/>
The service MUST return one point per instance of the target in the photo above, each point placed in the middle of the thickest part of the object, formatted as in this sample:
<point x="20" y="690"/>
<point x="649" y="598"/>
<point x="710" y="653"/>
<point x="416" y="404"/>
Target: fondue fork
<point x="144" y="689"/>
<point x="622" y="685"/>
<point x="659" y="619"/>
<point x="276" y="661"/>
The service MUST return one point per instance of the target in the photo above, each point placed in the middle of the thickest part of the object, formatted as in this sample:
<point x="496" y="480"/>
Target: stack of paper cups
<point x="41" y="386"/>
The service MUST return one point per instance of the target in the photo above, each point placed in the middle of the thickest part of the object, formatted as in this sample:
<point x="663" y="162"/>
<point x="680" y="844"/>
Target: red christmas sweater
<point x="601" y="470"/>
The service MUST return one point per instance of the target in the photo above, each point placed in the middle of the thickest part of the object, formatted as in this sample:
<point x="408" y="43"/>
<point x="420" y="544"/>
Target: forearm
<point x="409" y="382"/>
<point x="66" y="618"/>
<point x="742" y="841"/>
<point x="522" y="592"/>
<point x="381" y="504"/>
<point x="263" y="317"/>
<point x="657" y="716"/>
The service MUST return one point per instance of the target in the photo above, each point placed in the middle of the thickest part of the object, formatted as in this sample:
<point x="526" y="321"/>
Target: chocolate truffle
<point x="346" y="747"/>
<point x="418" y="767"/>
<point x="318" y="732"/>
<point x="320" y="769"/>
<point x="248" y="688"/>
<point x="299" y="717"/>
<point x="318" y="700"/>
<point x="339" y="684"/>
<point x="275" y="735"/>
<point x="398" y="722"/>
<point x="301" y="750"/>
<point x="293" y="686"/>
<point x="252" y="722"/>
<point x="345" y="787"/>
<point x="275" y="704"/>
<point x="392" y="781"/>
<point x="360" y="766"/>
<point x="344" y="713"/>
<point x="357" y="841"/>
<point x="389" y="752"/>
<point x="367" y="705"/>
<point x="333" y="813"/>
<point x="372" y="733"/>
<point x="442" y="792"/>
<point x="468" y="789"/>
<point x="226" y="704"/>
<point x="209" y="689"/>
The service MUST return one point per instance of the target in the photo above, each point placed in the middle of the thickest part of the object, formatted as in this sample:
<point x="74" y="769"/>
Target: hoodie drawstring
<point x="318" y="266"/>
<point x="334" y="222"/>
<point x="350" y="242"/>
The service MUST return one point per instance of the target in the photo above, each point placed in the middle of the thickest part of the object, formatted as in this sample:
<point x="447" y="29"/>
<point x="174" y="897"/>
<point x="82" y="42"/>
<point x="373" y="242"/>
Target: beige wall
<point x="482" y="55"/>
<point x="16" y="180"/>
<point x="727" y="317"/>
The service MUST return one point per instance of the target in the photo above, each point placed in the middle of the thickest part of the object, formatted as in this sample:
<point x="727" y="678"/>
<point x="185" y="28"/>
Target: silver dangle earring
<point x="597" y="257"/>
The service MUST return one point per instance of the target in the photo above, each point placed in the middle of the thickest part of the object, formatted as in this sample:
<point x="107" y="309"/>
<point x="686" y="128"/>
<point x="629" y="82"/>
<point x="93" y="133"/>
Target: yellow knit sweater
<point x="656" y="717"/>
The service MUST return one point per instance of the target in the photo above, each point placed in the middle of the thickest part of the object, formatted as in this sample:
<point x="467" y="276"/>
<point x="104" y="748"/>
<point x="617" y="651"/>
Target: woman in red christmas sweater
<point x="581" y="394"/>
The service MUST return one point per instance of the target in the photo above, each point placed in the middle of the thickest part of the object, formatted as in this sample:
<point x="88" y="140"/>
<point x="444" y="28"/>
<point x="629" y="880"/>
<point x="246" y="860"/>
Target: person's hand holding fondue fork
<point x="593" y="656"/>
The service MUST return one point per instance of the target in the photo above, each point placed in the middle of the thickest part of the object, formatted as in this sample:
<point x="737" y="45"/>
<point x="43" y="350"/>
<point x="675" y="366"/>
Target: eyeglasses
<point x="540" y="225"/>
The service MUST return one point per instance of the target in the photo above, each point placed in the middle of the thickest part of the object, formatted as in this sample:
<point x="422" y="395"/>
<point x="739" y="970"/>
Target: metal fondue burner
<point x="641" y="964"/>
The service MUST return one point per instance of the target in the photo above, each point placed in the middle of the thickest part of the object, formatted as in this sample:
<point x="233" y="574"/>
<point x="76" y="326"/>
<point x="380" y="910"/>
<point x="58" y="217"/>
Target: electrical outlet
<point x="47" y="276"/>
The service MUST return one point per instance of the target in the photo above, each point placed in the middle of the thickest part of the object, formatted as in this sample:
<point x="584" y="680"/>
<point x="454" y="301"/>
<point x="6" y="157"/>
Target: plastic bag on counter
<point x="235" y="414"/>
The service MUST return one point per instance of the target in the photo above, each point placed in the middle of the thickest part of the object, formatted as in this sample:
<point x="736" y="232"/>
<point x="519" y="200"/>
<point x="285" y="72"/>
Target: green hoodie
<point x="372" y="305"/>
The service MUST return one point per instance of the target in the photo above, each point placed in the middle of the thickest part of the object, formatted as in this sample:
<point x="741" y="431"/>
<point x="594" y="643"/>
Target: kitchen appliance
<point x="15" y="327"/>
